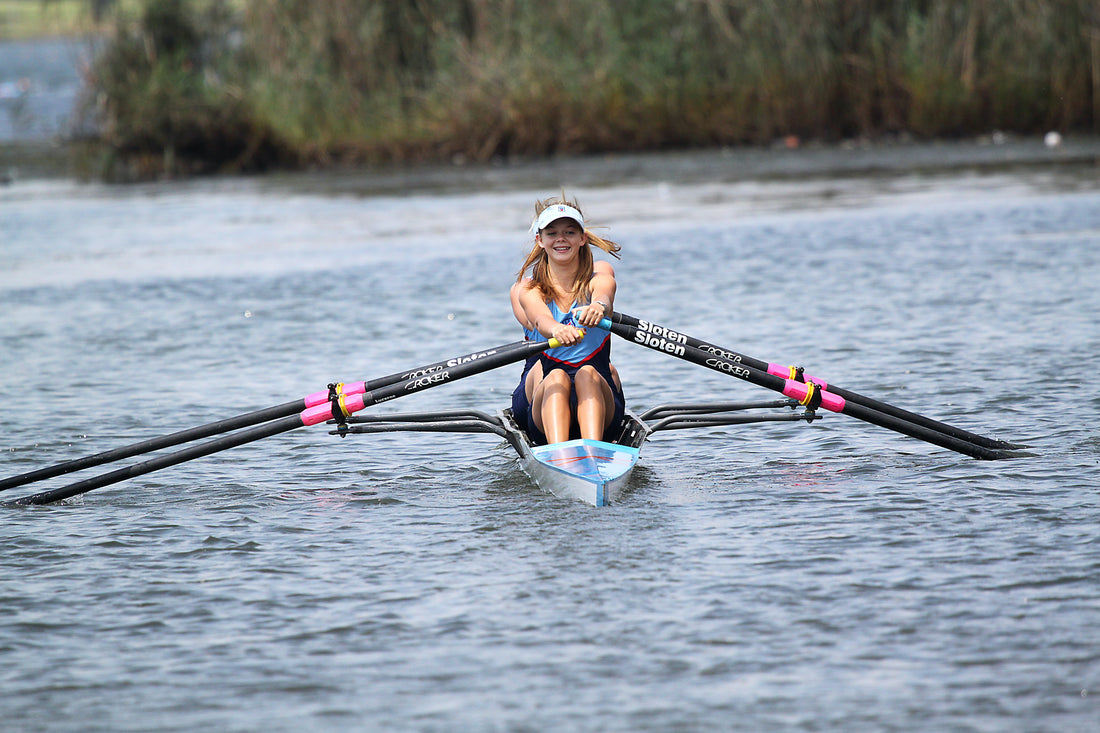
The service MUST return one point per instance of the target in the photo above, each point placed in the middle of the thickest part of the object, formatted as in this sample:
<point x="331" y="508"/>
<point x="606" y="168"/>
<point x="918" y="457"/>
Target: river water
<point x="833" y="576"/>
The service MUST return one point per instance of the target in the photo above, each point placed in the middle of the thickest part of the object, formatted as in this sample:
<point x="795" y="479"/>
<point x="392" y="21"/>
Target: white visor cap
<point x="555" y="212"/>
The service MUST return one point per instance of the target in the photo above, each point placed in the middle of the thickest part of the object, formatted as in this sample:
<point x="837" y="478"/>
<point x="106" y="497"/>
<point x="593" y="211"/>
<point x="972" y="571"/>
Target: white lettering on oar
<point x="725" y="366"/>
<point x="427" y="381"/>
<point x="722" y="353"/>
<point x="420" y="373"/>
<point x="471" y="357"/>
<point x="661" y="331"/>
<point x="660" y="344"/>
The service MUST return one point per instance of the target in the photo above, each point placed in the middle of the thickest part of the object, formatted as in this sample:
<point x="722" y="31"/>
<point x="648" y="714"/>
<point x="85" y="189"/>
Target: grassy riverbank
<point x="25" y="19"/>
<point x="204" y="85"/>
<point x="22" y="20"/>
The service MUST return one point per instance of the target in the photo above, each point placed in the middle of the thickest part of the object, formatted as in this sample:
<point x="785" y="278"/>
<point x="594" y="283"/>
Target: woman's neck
<point x="564" y="279"/>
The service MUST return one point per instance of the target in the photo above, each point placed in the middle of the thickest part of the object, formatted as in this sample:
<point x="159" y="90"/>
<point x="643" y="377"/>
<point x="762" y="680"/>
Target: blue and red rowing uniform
<point x="593" y="350"/>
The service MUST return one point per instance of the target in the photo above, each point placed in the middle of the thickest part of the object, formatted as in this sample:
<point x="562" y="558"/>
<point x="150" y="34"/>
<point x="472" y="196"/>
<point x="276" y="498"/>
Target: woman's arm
<point x="603" y="287"/>
<point x="541" y="319"/>
<point x="517" y="308"/>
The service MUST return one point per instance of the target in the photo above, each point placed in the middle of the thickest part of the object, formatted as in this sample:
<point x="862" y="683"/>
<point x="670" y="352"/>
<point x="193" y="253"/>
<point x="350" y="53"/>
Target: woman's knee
<point x="589" y="382"/>
<point x="557" y="378"/>
<point x="555" y="382"/>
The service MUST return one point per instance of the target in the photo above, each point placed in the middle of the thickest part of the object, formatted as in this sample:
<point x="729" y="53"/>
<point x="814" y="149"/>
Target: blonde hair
<point x="539" y="262"/>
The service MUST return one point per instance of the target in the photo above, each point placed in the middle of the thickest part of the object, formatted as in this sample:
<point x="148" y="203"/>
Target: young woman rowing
<point x="561" y="292"/>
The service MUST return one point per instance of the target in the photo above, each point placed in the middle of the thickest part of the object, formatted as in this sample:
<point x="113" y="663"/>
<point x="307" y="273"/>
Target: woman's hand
<point x="566" y="335"/>
<point x="591" y="314"/>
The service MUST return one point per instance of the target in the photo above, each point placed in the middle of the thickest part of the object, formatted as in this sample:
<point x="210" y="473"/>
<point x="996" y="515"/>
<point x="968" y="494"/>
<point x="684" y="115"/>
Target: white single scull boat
<point x="593" y="471"/>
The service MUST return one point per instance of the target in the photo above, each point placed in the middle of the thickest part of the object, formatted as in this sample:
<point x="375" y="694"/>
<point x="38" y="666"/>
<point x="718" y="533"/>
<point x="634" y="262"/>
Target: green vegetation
<point x="190" y="85"/>
<point x="21" y="19"/>
<point x="169" y="96"/>
<point x="25" y="19"/>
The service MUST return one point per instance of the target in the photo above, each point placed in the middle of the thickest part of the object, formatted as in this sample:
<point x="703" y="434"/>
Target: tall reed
<point x="387" y="79"/>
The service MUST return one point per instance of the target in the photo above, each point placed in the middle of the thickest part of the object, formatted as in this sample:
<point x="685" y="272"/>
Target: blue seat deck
<point x="592" y="460"/>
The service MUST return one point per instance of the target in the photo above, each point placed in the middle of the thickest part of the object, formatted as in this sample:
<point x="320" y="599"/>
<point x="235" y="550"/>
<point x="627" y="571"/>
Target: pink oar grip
<point x="798" y="390"/>
<point x="318" y="398"/>
<point x="831" y="402"/>
<point x="317" y="414"/>
<point x="779" y="370"/>
<point x="323" y="413"/>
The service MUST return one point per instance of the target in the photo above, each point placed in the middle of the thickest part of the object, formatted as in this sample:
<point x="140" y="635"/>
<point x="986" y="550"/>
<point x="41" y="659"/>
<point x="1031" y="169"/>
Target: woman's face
<point x="562" y="239"/>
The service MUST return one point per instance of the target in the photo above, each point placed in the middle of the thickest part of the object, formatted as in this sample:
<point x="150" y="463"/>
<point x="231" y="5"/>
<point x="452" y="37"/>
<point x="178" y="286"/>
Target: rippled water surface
<point x="834" y="576"/>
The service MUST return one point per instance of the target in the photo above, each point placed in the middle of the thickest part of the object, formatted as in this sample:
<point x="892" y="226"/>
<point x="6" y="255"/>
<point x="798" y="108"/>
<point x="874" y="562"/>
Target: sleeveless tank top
<point x="586" y="349"/>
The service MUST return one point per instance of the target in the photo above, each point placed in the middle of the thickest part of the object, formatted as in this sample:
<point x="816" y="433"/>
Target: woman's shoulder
<point x="601" y="267"/>
<point x="525" y="285"/>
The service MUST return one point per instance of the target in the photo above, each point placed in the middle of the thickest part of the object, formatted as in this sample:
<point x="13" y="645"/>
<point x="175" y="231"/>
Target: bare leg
<point x="550" y="406"/>
<point x="534" y="376"/>
<point x="595" y="403"/>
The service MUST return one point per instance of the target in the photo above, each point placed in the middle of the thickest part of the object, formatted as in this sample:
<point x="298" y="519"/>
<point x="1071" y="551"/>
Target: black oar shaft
<point x="930" y="423"/>
<point x="155" y="464"/>
<point x="848" y="395"/>
<point x="457" y="368"/>
<point x="674" y="343"/>
<point x="396" y="377"/>
<point x="153" y="444"/>
<point x="913" y="430"/>
<point x="222" y="426"/>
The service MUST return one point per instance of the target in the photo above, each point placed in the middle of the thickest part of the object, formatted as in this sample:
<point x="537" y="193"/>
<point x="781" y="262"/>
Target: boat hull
<point x="593" y="471"/>
<point x="590" y="470"/>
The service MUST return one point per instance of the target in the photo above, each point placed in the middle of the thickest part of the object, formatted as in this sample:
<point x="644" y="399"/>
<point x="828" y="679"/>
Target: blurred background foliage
<point x="208" y="85"/>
